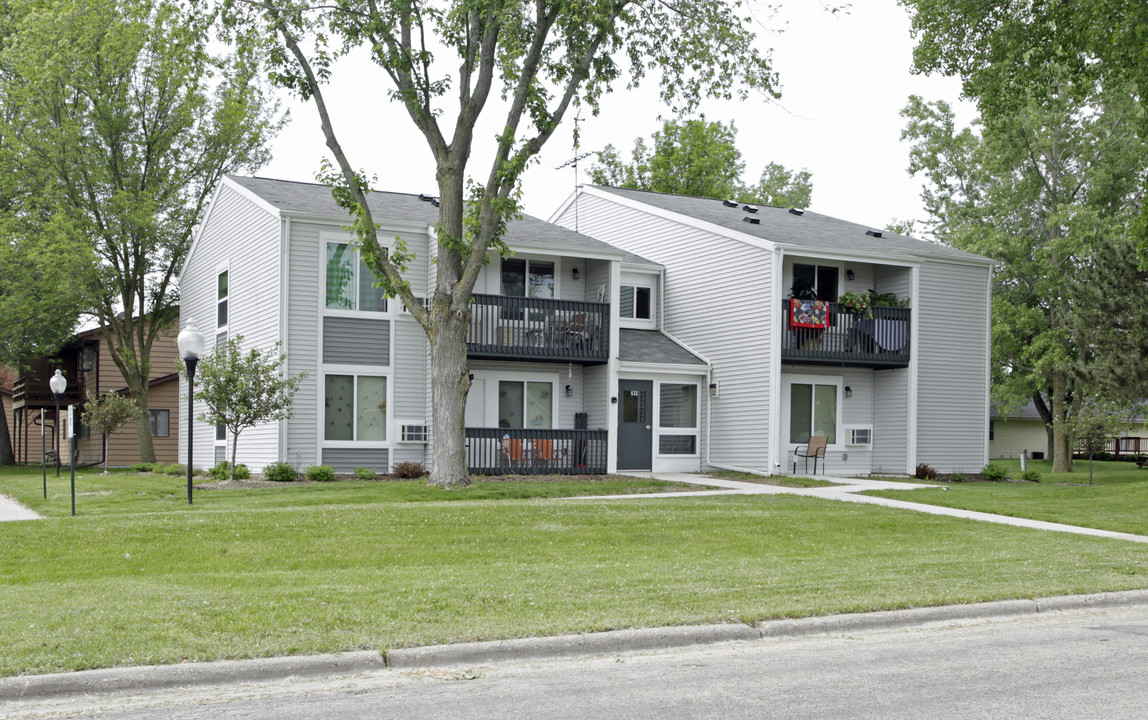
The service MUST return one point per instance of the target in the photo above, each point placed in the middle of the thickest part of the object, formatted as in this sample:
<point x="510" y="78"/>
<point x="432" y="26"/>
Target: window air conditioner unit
<point x="860" y="436"/>
<point x="415" y="433"/>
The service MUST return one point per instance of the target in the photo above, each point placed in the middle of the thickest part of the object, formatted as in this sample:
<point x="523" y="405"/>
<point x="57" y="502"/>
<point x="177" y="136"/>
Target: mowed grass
<point x="356" y="570"/>
<point x="120" y="492"/>
<point x="1118" y="499"/>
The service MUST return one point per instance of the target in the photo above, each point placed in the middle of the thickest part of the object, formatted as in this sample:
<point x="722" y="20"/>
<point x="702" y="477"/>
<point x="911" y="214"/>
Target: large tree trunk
<point x="139" y="393"/>
<point x="1061" y="447"/>
<point x="7" y="457"/>
<point x="450" y="382"/>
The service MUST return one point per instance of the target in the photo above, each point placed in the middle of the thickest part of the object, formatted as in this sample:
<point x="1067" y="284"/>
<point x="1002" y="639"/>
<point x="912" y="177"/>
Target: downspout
<point x="284" y="287"/>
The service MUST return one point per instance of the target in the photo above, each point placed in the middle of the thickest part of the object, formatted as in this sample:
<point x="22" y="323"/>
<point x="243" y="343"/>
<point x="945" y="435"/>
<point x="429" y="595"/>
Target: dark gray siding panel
<point x="354" y="341"/>
<point x="345" y="460"/>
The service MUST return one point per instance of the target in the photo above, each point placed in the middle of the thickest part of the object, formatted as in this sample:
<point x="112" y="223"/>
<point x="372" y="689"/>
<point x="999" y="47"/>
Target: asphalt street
<point x="1065" y="664"/>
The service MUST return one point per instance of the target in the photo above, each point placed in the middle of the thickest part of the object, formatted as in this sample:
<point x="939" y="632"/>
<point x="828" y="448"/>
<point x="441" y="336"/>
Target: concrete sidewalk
<point x="847" y="490"/>
<point x="12" y="510"/>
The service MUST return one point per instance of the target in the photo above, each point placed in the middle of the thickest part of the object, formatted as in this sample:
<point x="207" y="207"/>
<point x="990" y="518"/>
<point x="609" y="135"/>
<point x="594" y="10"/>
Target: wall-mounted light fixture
<point x="849" y="274"/>
<point x="569" y="391"/>
<point x="848" y="391"/>
<point x="713" y="389"/>
<point x="575" y="273"/>
<point x="614" y="400"/>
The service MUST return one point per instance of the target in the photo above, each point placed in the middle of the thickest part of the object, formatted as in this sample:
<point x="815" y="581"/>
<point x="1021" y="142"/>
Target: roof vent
<point x="750" y="208"/>
<point x="874" y="233"/>
<point x="729" y="203"/>
<point x="752" y="221"/>
<point x="795" y="211"/>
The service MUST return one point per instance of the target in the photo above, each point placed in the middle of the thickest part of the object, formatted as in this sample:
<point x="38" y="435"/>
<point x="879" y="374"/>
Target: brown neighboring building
<point x="89" y="368"/>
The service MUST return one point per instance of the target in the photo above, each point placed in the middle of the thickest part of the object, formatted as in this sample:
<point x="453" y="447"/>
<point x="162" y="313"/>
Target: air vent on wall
<point x="874" y="233"/>
<point x="752" y="221"/>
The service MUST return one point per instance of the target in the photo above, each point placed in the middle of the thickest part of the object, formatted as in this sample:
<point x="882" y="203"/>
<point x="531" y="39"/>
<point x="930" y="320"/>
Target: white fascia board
<point x="664" y="368"/>
<point x="653" y="269"/>
<point x="563" y="252"/>
<point x="804" y="252"/>
<point x="243" y="192"/>
<point x="342" y="223"/>
<point x="686" y="220"/>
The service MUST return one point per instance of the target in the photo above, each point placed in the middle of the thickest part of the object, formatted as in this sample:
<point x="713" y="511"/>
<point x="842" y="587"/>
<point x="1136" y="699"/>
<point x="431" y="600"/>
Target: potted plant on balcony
<point x="856" y="303"/>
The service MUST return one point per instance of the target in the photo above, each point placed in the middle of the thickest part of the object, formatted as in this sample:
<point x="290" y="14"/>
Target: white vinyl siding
<point x="890" y="421"/>
<point x="952" y="351"/>
<point x="1013" y="436"/>
<point x="737" y="342"/>
<point x="243" y="237"/>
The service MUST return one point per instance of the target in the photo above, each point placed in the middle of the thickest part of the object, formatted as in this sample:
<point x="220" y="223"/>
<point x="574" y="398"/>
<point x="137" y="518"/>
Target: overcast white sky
<point x="844" y="81"/>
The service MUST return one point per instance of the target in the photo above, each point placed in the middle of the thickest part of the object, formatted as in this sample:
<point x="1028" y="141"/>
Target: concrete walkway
<point x="12" y="510"/>
<point x="847" y="490"/>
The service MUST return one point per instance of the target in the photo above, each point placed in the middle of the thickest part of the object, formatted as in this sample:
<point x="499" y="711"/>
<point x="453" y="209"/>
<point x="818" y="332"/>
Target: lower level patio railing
<point x="507" y="451"/>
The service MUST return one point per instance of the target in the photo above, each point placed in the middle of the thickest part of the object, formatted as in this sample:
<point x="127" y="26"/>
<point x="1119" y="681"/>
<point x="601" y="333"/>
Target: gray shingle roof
<point x="652" y="346"/>
<point x="1028" y="411"/>
<point x="809" y="230"/>
<point x="300" y="198"/>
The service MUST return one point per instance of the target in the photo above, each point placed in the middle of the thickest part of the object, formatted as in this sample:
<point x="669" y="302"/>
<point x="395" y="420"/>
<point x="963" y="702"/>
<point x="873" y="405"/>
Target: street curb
<point x="159" y="677"/>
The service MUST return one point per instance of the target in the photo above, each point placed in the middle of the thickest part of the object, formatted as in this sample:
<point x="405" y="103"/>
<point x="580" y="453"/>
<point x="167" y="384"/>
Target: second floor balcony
<point x="544" y="330"/>
<point x="880" y="341"/>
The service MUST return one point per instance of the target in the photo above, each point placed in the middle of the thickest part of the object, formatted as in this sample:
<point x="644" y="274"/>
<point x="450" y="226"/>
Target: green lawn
<point x="782" y="480"/>
<point x="1117" y="501"/>
<point x="324" y="568"/>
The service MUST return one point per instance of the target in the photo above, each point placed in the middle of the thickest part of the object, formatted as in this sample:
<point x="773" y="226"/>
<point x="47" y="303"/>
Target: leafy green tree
<point x="1094" y="426"/>
<point x="40" y="302"/>
<point x="1052" y="194"/>
<point x="118" y="122"/>
<point x="442" y="60"/>
<point x="105" y="413"/>
<point x="1009" y="53"/>
<point x="242" y="390"/>
<point x="701" y="159"/>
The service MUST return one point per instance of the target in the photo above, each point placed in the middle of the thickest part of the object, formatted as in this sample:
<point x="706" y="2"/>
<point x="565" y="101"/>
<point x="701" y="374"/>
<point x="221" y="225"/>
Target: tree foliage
<point x="1051" y="192"/>
<point x="443" y="60"/>
<point x="242" y="390"/>
<point x="105" y="413"/>
<point x="701" y="159"/>
<point x="118" y="123"/>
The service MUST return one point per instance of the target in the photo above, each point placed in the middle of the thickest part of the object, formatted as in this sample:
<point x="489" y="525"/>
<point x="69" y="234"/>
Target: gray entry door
<point x="635" y="433"/>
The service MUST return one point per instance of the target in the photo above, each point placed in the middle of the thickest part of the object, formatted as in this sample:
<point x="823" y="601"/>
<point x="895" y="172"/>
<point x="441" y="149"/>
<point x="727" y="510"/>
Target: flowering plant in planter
<point x="856" y="303"/>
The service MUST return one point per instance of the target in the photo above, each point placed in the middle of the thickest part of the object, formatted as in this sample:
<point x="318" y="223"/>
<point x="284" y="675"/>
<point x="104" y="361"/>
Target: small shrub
<point x="957" y="477"/>
<point x="157" y="467"/>
<point x="924" y="472"/>
<point x="1030" y="476"/>
<point x="242" y="472"/>
<point x="321" y="473"/>
<point x="140" y="468"/>
<point x="365" y="473"/>
<point x="409" y="470"/>
<point x="280" y="472"/>
<point x="994" y="473"/>
<point x="222" y="471"/>
<point x="175" y="470"/>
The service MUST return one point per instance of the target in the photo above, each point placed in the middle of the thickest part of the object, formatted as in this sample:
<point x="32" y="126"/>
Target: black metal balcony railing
<point x="539" y="329"/>
<point x="503" y="451"/>
<point x="880" y="341"/>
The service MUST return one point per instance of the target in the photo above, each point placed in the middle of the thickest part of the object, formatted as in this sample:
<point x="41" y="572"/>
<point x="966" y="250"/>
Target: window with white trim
<point x="677" y="418"/>
<point x="355" y="408"/>
<point x="812" y="411"/>
<point x="221" y="294"/>
<point x="635" y="302"/>
<point x="350" y="284"/>
<point x="525" y="404"/>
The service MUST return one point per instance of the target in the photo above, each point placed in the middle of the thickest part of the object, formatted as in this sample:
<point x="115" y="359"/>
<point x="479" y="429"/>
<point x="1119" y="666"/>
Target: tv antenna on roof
<point x="573" y="162"/>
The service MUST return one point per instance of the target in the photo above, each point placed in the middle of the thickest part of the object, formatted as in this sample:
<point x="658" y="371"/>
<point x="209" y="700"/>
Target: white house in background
<point x="1022" y="432"/>
<point x="572" y="369"/>
<point x="909" y="385"/>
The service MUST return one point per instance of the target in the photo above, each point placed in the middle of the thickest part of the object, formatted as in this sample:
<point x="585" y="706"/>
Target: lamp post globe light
<point x="58" y="384"/>
<point x="190" y="341"/>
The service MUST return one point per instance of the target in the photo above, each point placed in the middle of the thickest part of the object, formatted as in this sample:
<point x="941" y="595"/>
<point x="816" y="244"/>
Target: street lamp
<point x="190" y="343"/>
<point x="59" y="384"/>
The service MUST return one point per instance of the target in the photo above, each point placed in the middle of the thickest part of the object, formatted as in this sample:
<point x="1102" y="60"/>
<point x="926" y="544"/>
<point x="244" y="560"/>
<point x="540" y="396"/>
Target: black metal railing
<point x="539" y="329"/>
<point x="504" y="451"/>
<point x="879" y="341"/>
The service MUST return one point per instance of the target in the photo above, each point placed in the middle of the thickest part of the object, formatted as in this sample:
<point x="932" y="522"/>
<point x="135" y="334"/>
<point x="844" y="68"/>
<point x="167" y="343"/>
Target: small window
<point x="350" y="283"/>
<point x="221" y="304"/>
<point x="158" y="421"/>
<point x="992" y="429"/>
<point x="815" y="282"/>
<point x="221" y="432"/>
<point x="634" y="302"/>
